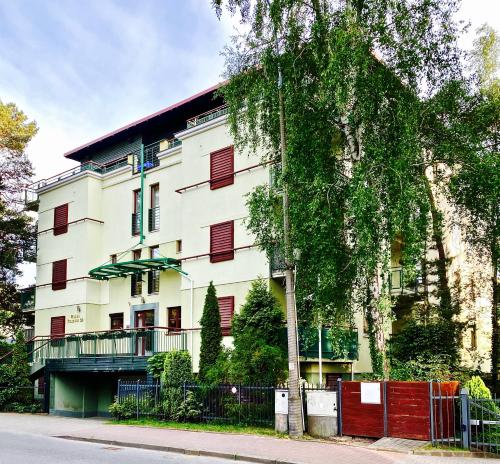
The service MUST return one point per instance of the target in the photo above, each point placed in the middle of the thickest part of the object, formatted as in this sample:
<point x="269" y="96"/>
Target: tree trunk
<point x="444" y="291"/>
<point x="295" y="422"/>
<point x="494" y="319"/>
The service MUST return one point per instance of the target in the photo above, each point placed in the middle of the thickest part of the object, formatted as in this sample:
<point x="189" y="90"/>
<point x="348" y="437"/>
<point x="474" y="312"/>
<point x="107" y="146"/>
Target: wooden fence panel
<point x="407" y="407"/>
<point x="358" y="419"/>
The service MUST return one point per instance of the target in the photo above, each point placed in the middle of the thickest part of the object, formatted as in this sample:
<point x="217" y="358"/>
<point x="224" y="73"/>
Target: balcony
<point x="277" y="263"/>
<point x="150" y="160"/>
<point x="113" y="344"/>
<point x="342" y="344"/>
<point x="27" y="299"/>
<point x="405" y="283"/>
<point x="154" y="219"/>
<point x="207" y="116"/>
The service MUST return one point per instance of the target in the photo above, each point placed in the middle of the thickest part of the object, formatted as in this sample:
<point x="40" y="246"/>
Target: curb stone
<point x="170" y="449"/>
<point x="456" y="454"/>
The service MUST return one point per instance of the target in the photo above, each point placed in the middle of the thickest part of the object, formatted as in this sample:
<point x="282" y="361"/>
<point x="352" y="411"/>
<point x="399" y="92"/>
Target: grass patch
<point x="221" y="428"/>
<point x="444" y="448"/>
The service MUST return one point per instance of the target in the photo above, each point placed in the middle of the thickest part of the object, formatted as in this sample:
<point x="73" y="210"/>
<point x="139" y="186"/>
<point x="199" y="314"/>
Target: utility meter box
<point x="322" y="413"/>
<point x="281" y="410"/>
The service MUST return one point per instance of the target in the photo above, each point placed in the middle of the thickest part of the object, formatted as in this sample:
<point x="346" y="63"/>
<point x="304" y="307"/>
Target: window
<point x="136" y="279"/>
<point x="154" y="211"/>
<point x="116" y="321"/>
<point x="57" y="327"/>
<point x="154" y="276"/>
<point x="136" y="222"/>
<point x="174" y="318"/>
<point x="61" y="219"/>
<point x="59" y="274"/>
<point x="178" y="246"/>
<point x="226" y="309"/>
<point x="113" y="259"/>
<point x="222" y="242"/>
<point x="41" y="385"/>
<point x="222" y="168"/>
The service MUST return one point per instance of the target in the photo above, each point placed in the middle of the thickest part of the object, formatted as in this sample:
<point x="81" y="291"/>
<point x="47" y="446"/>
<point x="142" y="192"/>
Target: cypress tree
<point x="211" y="333"/>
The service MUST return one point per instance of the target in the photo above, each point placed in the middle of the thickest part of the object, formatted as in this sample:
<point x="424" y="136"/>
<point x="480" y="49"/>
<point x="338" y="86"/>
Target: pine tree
<point x="259" y="355"/>
<point x="211" y="332"/>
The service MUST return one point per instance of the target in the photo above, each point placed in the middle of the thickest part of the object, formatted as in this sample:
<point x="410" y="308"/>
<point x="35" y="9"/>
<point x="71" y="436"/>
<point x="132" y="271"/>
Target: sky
<point x="82" y="68"/>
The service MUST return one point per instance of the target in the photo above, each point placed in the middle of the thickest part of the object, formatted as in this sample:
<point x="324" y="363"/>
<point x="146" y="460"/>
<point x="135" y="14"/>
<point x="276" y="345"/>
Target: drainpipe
<point x="191" y="308"/>
<point x="141" y="217"/>
<point x="320" y="355"/>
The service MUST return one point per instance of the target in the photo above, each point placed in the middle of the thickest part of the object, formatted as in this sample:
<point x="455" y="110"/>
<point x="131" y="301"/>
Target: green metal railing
<point x="109" y="344"/>
<point x="338" y="343"/>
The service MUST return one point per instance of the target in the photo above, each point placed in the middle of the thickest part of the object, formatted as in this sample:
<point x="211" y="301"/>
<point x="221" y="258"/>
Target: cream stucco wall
<point x="185" y="216"/>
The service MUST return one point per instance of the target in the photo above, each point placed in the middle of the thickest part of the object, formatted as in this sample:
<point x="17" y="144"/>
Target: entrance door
<point x="144" y="344"/>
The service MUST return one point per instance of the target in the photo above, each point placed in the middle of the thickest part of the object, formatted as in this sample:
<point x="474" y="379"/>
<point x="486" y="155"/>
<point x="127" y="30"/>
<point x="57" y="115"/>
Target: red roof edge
<point x="70" y="153"/>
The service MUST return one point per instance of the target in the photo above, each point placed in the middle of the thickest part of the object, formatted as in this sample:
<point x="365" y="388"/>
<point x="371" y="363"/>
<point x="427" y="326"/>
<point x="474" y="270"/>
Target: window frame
<point x="114" y="316"/>
<point x="153" y="275"/>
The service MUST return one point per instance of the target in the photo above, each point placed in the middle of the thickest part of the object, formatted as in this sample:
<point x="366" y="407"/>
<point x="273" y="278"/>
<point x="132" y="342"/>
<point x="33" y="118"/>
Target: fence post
<point x="465" y="425"/>
<point x="239" y="403"/>
<point x="431" y="411"/>
<point x="384" y="393"/>
<point x="137" y="399"/>
<point x="119" y="389"/>
<point x="339" y="406"/>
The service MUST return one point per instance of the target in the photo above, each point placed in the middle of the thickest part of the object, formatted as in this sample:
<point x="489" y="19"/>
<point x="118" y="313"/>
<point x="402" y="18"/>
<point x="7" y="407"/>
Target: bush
<point x="426" y="368"/>
<point x="259" y="355"/>
<point x="177" y="368"/>
<point x="190" y="410"/>
<point x="126" y="409"/>
<point x="477" y="388"/>
<point x="156" y="364"/>
<point x="425" y="341"/>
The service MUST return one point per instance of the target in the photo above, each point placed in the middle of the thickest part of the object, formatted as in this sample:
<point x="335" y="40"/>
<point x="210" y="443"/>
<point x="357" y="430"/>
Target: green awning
<point x="126" y="268"/>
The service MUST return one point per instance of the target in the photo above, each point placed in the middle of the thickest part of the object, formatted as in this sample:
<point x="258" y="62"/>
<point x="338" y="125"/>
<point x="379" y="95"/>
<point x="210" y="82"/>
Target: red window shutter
<point x="57" y="326"/>
<point x="222" y="242"/>
<point x="226" y="309"/>
<point x="61" y="219"/>
<point x="59" y="274"/>
<point x="222" y="168"/>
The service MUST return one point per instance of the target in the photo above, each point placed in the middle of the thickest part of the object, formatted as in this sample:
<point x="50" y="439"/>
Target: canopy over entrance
<point x="109" y="271"/>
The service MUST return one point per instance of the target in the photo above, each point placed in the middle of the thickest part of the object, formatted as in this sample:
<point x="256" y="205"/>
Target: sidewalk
<point x="260" y="449"/>
<point x="266" y="450"/>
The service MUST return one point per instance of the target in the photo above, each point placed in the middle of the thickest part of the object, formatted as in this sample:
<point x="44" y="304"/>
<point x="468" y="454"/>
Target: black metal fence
<point x="465" y="422"/>
<point x="228" y="404"/>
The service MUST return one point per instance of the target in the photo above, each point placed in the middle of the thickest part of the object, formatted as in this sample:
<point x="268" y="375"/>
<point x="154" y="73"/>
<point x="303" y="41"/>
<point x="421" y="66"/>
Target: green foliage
<point x="16" y="227"/>
<point x="426" y="341"/>
<point x="477" y="388"/>
<point x="190" y="410"/>
<point x="430" y="367"/>
<point x="259" y="355"/>
<point x="177" y="369"/>
<point x="220" y="372"/>
<point x="17" y="388"/>
<point x="356" y="136"/>
<point x="156" y="364"/>
<point x="125" y="409"/>
<point x="211" y="332"/>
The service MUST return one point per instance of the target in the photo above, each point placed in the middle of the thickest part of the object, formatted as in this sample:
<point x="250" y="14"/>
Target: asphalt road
<point x="23" y="448"/>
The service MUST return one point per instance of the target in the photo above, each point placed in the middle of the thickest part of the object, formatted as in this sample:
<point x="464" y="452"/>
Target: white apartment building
<point x="112" y="289"/>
